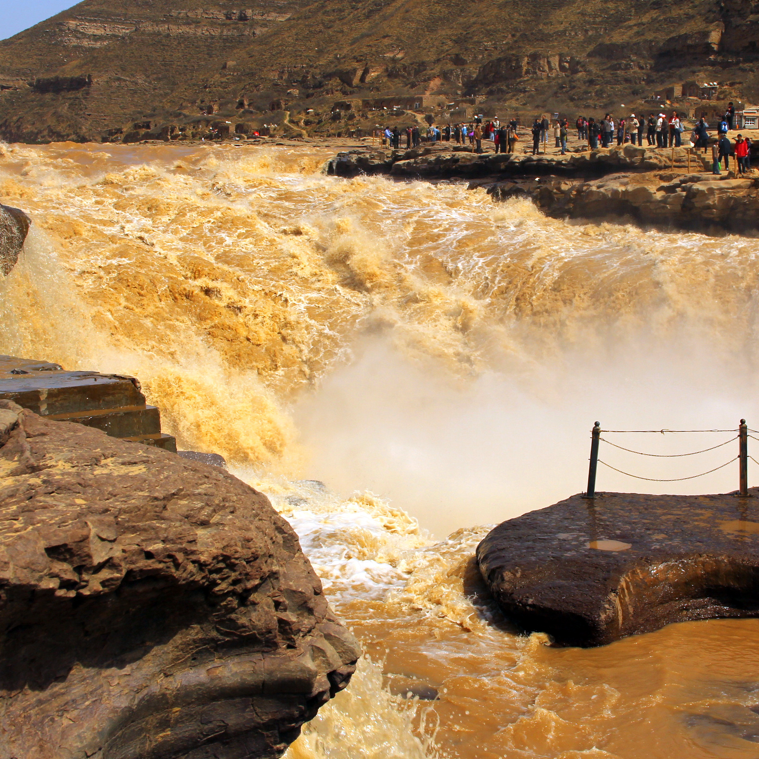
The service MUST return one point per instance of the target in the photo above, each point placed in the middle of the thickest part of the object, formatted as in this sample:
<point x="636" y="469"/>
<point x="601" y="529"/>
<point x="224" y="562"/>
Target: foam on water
<point x="428" y="345"/>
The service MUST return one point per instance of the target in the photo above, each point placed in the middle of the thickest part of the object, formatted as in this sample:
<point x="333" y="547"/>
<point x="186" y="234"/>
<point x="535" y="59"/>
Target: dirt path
<point x="292" y="126"/>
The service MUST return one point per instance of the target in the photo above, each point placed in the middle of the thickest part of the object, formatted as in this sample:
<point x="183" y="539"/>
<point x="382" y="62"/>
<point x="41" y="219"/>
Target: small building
<point x="748" y="118"/>
<point x="709" y="90"/>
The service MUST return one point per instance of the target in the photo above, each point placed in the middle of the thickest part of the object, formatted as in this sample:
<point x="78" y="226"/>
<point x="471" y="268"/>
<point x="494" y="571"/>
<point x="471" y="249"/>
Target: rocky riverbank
<point x="446" y="161"/>
<point x="150" y="605"/>
<point x="591" y="571"/>
<point x="663" y="189"/>
<point x="666" y="200"/>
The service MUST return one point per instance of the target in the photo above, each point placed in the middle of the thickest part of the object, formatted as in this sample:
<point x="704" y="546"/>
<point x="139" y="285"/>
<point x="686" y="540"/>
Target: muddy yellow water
<point x="398" y="366"/>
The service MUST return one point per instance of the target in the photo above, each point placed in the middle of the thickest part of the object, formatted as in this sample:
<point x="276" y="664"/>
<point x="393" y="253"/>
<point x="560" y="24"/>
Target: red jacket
<point x="741" y="149"/>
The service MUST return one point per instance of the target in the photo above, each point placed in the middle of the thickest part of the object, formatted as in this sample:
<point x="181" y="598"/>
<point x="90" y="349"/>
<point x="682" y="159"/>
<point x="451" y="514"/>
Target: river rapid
<point x="399" y="366"/>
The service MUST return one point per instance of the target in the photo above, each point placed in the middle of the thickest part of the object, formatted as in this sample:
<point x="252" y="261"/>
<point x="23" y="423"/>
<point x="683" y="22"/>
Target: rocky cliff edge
<point x="151" y="607"/>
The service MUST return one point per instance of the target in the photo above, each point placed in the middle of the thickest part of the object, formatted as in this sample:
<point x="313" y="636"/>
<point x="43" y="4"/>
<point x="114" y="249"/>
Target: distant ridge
<point x="93" y="71"/>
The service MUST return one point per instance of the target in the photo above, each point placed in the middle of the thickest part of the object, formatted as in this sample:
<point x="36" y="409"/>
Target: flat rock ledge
<point x="591" y="571"/>
<point x="151" y="607"/>
<point x="444" y="161"/>
<point x="702" y="202"/>
<point x="14" y="226"/>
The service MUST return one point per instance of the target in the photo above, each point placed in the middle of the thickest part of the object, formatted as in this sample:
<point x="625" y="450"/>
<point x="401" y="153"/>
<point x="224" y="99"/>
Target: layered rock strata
<point x="14" y="226"/>
<point x="629" y="184"/>
<point x="113" y="403"/>
<point x="151" y="607"/>
<point x="442" y="162"/>
<point x="698" y="202"/>
<point x="591" y="571"/>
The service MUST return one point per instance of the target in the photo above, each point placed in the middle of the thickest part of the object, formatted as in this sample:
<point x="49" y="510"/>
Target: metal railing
<point x="742" y="437"/>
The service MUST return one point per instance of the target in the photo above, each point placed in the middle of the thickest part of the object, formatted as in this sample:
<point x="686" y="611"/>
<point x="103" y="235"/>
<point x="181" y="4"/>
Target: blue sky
<point x="17" y="15"/>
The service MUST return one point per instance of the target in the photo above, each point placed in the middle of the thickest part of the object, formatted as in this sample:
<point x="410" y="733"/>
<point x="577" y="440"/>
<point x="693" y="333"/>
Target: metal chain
<point x="669" y="455"/>
<point x="676" y="479"/>
<point x="666" y="431"/>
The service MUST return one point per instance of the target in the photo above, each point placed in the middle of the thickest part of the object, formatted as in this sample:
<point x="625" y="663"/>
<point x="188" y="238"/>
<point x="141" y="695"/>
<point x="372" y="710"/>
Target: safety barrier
<point x="742" y="437"/>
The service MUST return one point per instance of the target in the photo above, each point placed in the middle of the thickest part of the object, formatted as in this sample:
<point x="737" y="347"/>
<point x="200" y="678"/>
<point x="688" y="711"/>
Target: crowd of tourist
<point x="658" y="130"/>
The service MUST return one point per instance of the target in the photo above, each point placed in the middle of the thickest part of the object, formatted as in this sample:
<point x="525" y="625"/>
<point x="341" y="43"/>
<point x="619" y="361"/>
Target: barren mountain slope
<point x="95" y="69"/>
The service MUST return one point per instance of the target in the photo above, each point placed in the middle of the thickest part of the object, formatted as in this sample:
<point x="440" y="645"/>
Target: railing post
<point x="595" y="437"/>
<point x="743" y="455"/>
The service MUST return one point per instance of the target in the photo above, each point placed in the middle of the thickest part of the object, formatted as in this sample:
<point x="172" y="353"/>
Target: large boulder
<point x="591" y="571"/>
<point x="151" y="607"/>
<point x="14" y="226"/>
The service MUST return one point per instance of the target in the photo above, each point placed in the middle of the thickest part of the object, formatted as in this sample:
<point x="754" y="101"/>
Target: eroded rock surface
<point x="441" y="161"/>
<point x="151" y="607"/>
<point x="14" y="226"/>
<point x="591" y="571"/>
<point x="701" y="202"/>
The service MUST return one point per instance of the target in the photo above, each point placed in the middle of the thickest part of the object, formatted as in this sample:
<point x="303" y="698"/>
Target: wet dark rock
<point x="356" y="162"/>
<point x="699" y="202"/>
<point x="150" y="606"/>
<point x="442" y="162"/>
<point x="14" y="226"/>
<point x="591" y="571"/>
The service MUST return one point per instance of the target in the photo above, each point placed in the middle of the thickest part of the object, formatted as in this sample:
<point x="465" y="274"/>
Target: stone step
<point x="124" y="422"/>
<point x="51" y="393"/>
<point x="160" y="440"/>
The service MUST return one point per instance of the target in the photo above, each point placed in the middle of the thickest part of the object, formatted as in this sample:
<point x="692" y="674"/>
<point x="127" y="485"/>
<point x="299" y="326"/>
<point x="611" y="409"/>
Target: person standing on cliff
<point x="651" y="136"/>
<point x="537" y="132"/>
<point x="513" y="136"/>
<point x="563" y="133"/>
<point x="675" y="130"/>
<point x="730" y="117"/>
<point x="478" y="137"/>
<point x="544" y="126"/>
<point x="715" y="159"/>
<point x="741" y="151"/>
<point x="593" y="132"/>
<point x="702" y="134"/>
<point x="725" y="148"/>
<point x="605" y="131"/>
<point x="661" y="135"/>
<point x="503" y="138"/>
<point x="633" y="125"/>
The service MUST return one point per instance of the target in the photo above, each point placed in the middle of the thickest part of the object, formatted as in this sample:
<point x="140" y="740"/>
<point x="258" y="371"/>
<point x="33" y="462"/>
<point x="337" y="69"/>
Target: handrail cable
<point x="669" y="455"/>
<point x="664" y="431"/>
<point x="675" y="479"/>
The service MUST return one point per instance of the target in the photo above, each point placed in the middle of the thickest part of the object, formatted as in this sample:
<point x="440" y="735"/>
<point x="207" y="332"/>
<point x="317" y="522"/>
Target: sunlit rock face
<point x="591" y="571"/>
<point x="150" y="606"/>
<point x="14" y="225"/>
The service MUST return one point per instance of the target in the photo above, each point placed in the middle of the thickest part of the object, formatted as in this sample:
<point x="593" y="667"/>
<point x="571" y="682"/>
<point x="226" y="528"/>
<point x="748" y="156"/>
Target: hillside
<point x="174" y="66"/>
